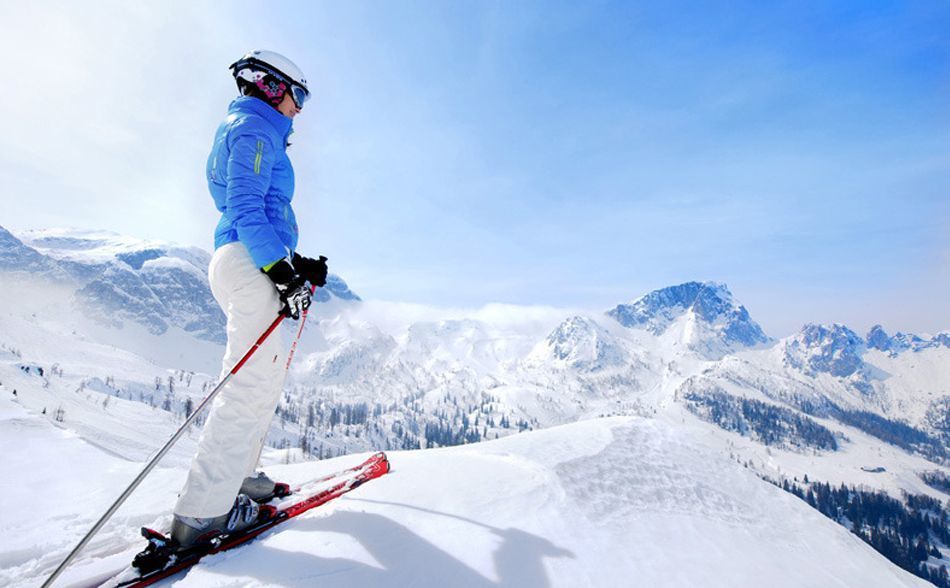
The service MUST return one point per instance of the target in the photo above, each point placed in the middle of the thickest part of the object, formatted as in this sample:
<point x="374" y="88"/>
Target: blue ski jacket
<point x="252" y="181"/>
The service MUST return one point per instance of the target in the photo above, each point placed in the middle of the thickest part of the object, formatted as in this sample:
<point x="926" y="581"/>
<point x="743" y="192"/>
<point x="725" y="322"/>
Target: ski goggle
<point x="299" y="94"/>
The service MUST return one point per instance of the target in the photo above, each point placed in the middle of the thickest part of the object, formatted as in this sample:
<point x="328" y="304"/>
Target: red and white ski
<point x="342" y="482"/>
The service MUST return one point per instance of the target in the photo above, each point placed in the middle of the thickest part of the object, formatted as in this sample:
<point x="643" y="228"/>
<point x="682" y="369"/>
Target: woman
<point x="255" y="273"/>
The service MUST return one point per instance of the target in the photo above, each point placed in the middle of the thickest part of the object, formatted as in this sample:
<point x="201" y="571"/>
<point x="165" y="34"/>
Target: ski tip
<point x="382" y="459"/>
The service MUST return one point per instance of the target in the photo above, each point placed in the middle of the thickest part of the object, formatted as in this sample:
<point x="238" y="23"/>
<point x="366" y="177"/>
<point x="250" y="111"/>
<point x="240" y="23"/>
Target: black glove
<point x="292" y="288"/>
<point x="312" y="270"/>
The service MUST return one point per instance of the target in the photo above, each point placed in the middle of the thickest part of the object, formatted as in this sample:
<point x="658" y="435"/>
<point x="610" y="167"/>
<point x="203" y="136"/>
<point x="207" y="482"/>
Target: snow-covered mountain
<point x="579" y="343"/>
<point x="432" y="379"/>
<point x="703" y="316"/>
<point x="835" y="350"/>
<point x="137" y="339"/>
<point x="119" y="279"/>
<point x="878" y="338"/>
<point x="632" y="359"/>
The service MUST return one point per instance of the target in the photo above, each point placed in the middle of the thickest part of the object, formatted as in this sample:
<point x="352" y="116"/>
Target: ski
<point x="354" y="477"/>
<point x="369" y="463"/>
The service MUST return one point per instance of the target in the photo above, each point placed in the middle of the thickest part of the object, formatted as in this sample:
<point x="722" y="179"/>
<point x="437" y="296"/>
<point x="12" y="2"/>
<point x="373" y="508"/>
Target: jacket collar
<point x="281" y="123"/>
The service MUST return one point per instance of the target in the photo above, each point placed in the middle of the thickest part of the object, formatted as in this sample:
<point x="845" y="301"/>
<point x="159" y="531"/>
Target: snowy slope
<point x="61" y="484"/>
<point x="596" y="503"/>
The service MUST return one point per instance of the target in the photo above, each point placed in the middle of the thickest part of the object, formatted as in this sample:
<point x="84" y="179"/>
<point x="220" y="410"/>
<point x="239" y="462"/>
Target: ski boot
<point x="262" y="489"/>
<point x="191" y="534"/>
<point x="188" y="531"/>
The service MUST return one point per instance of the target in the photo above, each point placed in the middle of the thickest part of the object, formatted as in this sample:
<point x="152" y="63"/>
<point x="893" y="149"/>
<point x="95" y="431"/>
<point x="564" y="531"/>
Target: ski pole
<point x="181" y="430"/>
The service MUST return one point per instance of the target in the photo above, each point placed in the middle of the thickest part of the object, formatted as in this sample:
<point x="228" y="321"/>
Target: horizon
<point x="547" y="155"/>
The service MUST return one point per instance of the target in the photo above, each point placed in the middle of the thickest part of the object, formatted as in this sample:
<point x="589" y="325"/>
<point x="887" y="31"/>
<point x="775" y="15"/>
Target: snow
<point x="58" y="503"/>
<point x="594" y="503"/>
<point x="173" y="263"/>
<point x="95" y="246"/>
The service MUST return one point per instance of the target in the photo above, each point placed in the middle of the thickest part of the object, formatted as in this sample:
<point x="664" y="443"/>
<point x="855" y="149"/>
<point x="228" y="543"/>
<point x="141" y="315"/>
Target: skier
<point x="255" y="273"/>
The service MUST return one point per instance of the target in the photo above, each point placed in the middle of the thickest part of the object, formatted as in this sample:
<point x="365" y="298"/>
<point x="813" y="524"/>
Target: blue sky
<point x="563" y="154"/>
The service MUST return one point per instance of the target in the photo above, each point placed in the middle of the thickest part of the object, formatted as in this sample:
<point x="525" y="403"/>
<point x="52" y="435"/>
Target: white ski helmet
<point x="273" y="74"/>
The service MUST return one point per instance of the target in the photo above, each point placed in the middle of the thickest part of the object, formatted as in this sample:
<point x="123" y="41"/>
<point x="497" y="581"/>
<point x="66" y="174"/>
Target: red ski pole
<point x="181" y="431"/>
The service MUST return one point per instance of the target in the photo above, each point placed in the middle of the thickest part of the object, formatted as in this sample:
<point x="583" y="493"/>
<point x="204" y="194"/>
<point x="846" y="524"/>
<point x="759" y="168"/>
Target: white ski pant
<point x="232" y="439"/>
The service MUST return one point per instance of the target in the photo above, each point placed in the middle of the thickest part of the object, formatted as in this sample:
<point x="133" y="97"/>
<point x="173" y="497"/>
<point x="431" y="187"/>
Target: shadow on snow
<point x="405" y="557"/>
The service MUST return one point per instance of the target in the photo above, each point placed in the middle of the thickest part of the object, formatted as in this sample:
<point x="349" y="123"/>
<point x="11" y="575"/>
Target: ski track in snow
<point x="659" y="478"/>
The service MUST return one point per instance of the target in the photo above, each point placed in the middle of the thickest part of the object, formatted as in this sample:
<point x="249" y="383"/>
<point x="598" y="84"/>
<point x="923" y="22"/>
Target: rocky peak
<point x="833" y="349"/>
<point x="879" y="339"/>
<point x="723" y="319"/>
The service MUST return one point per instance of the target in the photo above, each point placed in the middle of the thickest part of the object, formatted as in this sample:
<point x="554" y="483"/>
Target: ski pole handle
<point x="303" y="321"/>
